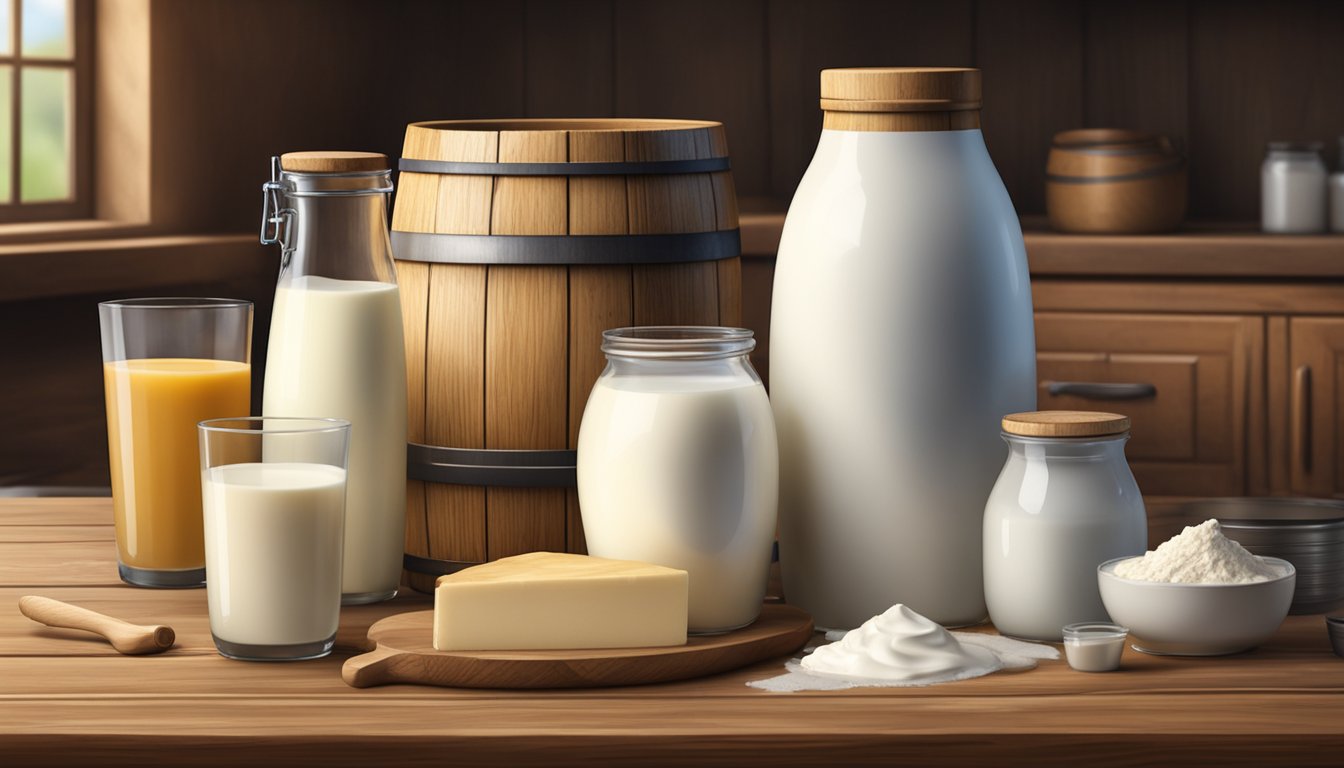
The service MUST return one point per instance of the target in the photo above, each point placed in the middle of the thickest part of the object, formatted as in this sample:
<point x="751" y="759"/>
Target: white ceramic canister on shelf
<point x="1065" y="503"/>
<point x="1293" y="188"/>
<point x="901" y="332"/>
<point x="336" y="345"/>
<point x="678" y="465"/>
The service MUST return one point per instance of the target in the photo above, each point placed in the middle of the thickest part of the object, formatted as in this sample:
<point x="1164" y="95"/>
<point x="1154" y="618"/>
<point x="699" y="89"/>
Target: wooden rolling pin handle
<point x="127" y="638"/>
<point x="377" y="667"/>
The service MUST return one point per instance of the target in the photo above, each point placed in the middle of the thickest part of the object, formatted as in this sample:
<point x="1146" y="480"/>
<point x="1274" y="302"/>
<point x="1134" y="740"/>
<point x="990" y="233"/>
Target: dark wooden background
<point x="246" y="78"/>
<point x="234" y="81"/>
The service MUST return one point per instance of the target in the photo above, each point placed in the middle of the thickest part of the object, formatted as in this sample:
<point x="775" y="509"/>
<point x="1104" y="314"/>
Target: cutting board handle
<point x="377" y="667"/>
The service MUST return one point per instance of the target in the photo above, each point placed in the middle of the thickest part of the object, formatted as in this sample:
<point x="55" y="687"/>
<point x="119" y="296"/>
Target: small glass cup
<point x="273" y="490"/>
<point x="1094" y="646"/>
<point x="168" y="363"/>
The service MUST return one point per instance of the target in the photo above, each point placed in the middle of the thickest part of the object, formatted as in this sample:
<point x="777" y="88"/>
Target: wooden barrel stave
<point x="525" y="384"/>
<point x="413" y="283"/>
<point x="455" y="405"/>
<point x="525" y="403"/>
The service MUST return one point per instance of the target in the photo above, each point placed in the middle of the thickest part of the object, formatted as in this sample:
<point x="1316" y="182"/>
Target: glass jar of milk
<point x="1065" y="503"/>
<point x="336" y="347"/>
<point x="678" y="465"/>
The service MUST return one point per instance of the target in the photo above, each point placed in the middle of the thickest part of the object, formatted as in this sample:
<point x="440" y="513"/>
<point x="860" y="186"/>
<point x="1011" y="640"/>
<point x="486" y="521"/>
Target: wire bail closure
<point x="277" y="222"/>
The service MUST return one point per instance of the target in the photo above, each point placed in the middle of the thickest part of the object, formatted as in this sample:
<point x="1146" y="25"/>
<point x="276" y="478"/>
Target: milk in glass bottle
<point x="336" y="346"/>
<point x="901" y="333"/>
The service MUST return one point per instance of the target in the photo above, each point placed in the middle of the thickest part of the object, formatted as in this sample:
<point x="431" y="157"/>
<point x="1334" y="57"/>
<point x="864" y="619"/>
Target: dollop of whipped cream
<point x="1200" y="554"/>
<point x="901" y="645"/>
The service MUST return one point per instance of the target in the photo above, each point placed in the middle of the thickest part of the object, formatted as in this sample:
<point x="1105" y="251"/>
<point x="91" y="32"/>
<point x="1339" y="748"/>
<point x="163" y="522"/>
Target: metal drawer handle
<point x="1102" y="390"/>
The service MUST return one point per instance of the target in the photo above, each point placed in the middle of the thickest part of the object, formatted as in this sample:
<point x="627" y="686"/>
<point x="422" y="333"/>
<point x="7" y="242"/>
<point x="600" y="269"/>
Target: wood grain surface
<point x="455" y="406"/>
<point x="404" y="653"/>
<point x="525" y="407"/>
<point x="67" y="697"/>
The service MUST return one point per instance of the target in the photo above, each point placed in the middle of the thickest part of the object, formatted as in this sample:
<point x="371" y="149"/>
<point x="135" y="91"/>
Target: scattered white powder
<point x="902" y="648"/>
<point x="1200" y="554"/>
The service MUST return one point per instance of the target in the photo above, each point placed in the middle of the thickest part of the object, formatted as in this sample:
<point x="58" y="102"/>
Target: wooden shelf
<point x="71" y="268"/>
<point x="1198" y="251"/>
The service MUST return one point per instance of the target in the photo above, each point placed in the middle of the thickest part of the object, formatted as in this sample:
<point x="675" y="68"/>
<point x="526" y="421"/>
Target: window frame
<point x="80" y="204"/>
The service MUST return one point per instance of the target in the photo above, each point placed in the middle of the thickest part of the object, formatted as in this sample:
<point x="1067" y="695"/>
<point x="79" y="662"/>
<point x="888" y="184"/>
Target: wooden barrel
<point x="517" y="243"/>
<point x="1114" y="181"/>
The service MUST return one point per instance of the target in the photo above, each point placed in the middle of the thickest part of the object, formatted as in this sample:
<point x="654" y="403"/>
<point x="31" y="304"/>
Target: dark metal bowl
<point x="1309" y="533"/>
<point x="1334" y="625"/>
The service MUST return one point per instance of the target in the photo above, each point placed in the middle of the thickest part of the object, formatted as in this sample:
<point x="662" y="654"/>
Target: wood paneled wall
<point x="237" y="80"/>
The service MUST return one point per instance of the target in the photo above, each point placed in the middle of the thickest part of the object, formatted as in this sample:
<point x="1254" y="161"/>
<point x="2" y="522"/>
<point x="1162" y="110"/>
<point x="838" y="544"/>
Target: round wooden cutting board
<point x="404" y="653"/>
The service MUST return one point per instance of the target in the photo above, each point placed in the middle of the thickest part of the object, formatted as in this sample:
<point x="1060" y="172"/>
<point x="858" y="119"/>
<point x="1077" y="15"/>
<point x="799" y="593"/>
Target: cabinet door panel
<point x="1191" y="379"/>
<point x="1315" y="408"/>
<point x="1169" y="427"/>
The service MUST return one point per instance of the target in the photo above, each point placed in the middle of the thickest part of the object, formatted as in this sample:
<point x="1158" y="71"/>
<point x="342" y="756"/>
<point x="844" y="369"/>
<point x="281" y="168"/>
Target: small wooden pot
<point x="1111" y="181"/>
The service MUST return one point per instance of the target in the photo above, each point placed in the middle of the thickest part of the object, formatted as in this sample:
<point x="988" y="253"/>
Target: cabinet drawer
<point x="1185" y="381"/>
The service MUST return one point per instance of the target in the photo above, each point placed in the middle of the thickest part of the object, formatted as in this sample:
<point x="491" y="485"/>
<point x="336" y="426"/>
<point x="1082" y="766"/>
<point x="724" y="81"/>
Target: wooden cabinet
<point x="1187" y="383"/>
<point x="1310" y="405"/>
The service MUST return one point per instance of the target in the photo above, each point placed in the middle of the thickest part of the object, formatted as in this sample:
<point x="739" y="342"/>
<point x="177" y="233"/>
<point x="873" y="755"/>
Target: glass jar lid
<point x="677" y="342"/>
<point x="1065" y="424"/>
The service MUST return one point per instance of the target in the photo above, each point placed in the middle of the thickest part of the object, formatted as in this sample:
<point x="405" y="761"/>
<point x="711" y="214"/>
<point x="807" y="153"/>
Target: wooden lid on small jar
<point x="900" y="89"/>
<point x="1065" y="424"/>
<point x="334" y="161"/>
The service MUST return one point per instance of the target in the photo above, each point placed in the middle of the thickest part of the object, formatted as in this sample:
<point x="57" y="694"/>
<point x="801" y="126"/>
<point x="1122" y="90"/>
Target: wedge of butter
<point x="549" y="601"/>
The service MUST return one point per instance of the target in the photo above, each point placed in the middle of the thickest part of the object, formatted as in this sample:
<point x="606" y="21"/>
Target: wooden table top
<point x="66" y="697"/>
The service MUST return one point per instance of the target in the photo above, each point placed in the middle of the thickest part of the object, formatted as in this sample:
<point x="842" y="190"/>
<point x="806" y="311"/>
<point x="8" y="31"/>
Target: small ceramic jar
<point x="1064" y="503"/>
<point x="1293" y="188"/>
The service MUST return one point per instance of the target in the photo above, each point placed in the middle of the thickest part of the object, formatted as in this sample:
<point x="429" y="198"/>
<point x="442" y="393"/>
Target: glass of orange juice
<point x="168" y="364"/>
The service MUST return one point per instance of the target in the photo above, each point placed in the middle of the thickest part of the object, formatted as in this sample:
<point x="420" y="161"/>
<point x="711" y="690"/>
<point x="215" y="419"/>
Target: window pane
<point x="46" y="28"/>
<point x="6" y="28"/>
<point x="6" y="131"/>
<point x="45" y="141"/>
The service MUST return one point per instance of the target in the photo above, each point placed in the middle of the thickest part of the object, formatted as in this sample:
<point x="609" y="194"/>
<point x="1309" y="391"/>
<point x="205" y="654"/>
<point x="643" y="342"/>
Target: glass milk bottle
<point x="678" y="466"/>
<point x="901" y="332"/>
<point x="336" y="348"/>
<point x="1065" y="503"/>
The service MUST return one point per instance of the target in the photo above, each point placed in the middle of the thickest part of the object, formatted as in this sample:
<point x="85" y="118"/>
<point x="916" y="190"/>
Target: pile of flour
<point x="1200" y="554"/>
<point x="902" y="648"/>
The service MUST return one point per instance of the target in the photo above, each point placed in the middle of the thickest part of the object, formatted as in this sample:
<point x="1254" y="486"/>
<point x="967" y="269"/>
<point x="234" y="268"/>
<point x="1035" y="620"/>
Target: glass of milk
<point x="273" y="492"/>
<point x="678" y="465"/>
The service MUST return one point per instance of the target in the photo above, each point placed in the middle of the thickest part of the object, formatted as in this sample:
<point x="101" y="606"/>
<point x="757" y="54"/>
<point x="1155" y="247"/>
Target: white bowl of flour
<point x="1199" y="594"/>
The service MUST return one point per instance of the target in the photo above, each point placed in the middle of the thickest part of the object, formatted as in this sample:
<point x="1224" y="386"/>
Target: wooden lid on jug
<point x="901" y="98"/>
<point x="334" y="161"/>
<point x="1065" y="424"/>
<point x="900" y="89"/>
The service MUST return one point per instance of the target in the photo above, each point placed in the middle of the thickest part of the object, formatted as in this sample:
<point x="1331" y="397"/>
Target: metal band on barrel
<point x="647" y="168"/>
<point x="566" y="249"/>
<point x="465" y="466"/>
<point x="432" y="567"/>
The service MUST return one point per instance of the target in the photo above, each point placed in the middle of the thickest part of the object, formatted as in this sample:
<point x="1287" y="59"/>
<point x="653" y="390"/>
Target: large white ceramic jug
<point x="901" y="333"/>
